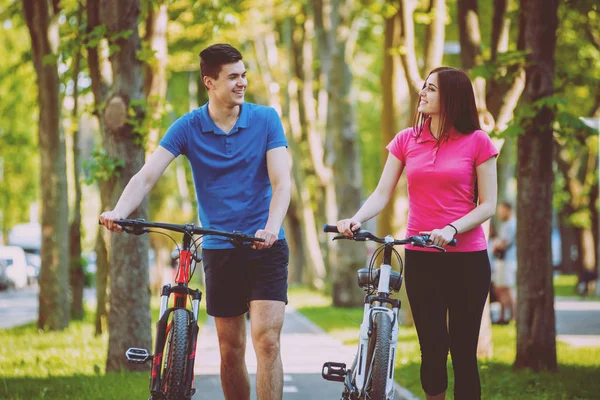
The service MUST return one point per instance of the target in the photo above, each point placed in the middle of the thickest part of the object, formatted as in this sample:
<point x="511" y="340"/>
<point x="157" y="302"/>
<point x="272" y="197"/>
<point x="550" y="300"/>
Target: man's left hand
<point x="269" y="237"/>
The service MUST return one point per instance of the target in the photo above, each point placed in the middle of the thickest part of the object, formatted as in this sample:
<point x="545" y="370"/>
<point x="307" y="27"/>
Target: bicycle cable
<point x="195" y="246"/>
<point x="374" y="260"/>
<point x="193" y="249"/>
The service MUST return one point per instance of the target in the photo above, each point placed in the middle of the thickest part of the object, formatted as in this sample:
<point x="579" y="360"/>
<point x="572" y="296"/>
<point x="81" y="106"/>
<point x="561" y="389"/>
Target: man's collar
<point x="208" y="125"/>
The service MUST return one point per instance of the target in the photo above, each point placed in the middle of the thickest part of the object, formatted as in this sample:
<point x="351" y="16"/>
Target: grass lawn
<point x="564" y="286"/>
<point x="62" y="365"/>
<point x="66" y="365"/>
<point x="578" y="377"/>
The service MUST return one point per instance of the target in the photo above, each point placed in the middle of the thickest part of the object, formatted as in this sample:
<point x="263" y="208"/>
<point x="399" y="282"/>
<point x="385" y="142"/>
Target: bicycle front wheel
<point x="380" y="356"/>
<point x="176" y="356"/>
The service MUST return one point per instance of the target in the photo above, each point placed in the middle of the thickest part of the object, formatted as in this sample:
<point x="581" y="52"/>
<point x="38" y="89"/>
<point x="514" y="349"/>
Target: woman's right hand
<point x="347" y="227"/>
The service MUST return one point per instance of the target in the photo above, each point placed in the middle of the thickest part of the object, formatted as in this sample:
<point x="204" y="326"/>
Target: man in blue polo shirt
<point x="238" y="155"/>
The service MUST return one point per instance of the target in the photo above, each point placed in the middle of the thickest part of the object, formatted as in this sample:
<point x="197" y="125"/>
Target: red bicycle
<point x="172" y="373"/>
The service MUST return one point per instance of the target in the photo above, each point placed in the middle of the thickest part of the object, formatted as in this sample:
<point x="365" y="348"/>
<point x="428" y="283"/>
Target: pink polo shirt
<point x="442" y="181"/>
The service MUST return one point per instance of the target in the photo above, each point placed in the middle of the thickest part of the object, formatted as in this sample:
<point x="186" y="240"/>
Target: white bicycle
<point x="372" y="373"/>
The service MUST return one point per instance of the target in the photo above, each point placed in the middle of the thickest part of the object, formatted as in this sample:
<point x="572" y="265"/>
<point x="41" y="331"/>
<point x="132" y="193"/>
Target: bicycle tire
<point x="379" y="348"/>
<point x="176" y="356"/>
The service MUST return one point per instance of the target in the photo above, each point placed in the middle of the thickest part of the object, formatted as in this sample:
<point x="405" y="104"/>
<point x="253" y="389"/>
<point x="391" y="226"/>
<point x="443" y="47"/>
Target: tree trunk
<point x="506" y="171"/>
<point x="54" y="275"/>
<point x="572" y="262"/>
<point x="435" y="34"/>
<point x="500" y="28"/>
<point x="395" y="92"/>
<point x="341" y="124"/>
<point x="301" y="113"/>
<point x="536" y="326"/>
<point x="502" y="98"/>
<point x="386" y="221"/>
<point x="76" y="272"/>
<point x="155" y="72"/>
<point x="293" y="235"/>
<point x="102" y="270"/>
<point x="129" y="313"/>
<point x="408" y="56"/>
<point x="470" y="51"/>
<point x="320" y="143"/>
<point x="593" y="207"/>
<point x="98" y="76"/>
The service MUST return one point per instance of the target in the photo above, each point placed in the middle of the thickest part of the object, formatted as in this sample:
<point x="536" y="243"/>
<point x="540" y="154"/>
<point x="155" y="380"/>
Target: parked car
<point x="28" y="237"/>
<point x="5" y="281"/>
<point x="16" y="266"/>
<point x="34" y="264"/>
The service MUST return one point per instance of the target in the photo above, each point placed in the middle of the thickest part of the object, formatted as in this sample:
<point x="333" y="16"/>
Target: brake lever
<point x="243" y="241"/>
<point x="340" y="237"/>
<point x="133" y="231"/>
<point x="239" y="243"/>
<point x="433" y="246"/>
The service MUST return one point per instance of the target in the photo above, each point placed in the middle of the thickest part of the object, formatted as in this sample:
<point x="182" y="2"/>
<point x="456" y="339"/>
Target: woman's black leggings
<point x="457" y="284"/>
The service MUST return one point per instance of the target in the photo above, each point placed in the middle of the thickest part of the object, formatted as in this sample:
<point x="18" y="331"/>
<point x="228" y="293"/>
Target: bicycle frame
<point x="373" y="305"/>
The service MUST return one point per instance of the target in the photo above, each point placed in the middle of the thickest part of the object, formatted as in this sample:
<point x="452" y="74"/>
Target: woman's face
<point x="429" y="102"/>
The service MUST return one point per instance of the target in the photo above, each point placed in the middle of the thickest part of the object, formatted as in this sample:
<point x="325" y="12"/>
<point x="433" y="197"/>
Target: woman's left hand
<point x="440" y="237"/>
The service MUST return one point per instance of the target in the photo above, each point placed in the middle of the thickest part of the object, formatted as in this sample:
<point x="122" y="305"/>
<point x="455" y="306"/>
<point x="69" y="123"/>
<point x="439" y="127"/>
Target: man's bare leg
<point x="232" y="345"/>
<point x="266" y="320"/>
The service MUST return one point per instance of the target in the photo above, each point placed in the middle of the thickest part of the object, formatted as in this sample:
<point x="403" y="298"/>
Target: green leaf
<point x="101" y="167"/>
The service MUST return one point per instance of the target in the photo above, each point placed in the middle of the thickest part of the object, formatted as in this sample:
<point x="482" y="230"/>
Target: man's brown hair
<point x="214" y="57"/>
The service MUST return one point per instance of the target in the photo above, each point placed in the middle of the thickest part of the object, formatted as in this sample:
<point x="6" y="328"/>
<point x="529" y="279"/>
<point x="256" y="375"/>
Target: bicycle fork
<point x="140" y="356"/>
<point x="366" y="330"/>
<point x="337" y="372"/>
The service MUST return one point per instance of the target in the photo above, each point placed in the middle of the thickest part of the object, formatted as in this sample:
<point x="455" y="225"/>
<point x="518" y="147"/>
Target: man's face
<point x="229" y="88"/>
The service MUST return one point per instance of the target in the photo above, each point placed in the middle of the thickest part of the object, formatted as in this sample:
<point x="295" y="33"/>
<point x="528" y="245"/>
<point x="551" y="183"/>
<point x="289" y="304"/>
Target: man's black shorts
<point x="234" y="277"/>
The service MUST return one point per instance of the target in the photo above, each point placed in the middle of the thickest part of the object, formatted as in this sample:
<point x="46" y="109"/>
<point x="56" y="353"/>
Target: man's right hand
<point x="107" y="219"/>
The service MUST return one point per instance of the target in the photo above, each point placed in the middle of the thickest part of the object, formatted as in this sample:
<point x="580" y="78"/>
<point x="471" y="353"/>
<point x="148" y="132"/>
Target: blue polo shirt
<point x="230" y="169"/>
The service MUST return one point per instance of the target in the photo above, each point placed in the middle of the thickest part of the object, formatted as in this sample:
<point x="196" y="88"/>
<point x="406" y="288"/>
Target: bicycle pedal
<point x="333" y="371"/>
<point x="138" y="356"/>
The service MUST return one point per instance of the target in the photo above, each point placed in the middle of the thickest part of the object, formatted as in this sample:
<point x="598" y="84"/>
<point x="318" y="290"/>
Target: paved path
<point x="304" y="349"/>
<point x="578" y="322"/>
<point x="18" y="307"/>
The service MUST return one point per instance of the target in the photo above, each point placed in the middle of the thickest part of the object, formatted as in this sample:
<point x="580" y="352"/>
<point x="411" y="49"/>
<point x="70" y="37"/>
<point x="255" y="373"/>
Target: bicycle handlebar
<point x="140" y="226"/>
<point x="364" y="235"/>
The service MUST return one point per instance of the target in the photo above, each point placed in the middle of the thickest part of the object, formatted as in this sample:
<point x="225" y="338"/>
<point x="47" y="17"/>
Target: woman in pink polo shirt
<point x="451" y="172"/>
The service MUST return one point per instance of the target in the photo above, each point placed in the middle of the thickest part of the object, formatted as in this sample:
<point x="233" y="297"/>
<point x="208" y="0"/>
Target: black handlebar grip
<point x="330" y="228"/>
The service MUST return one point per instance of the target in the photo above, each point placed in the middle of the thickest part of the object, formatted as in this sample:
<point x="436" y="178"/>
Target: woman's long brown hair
<point x="458" y="109"/>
